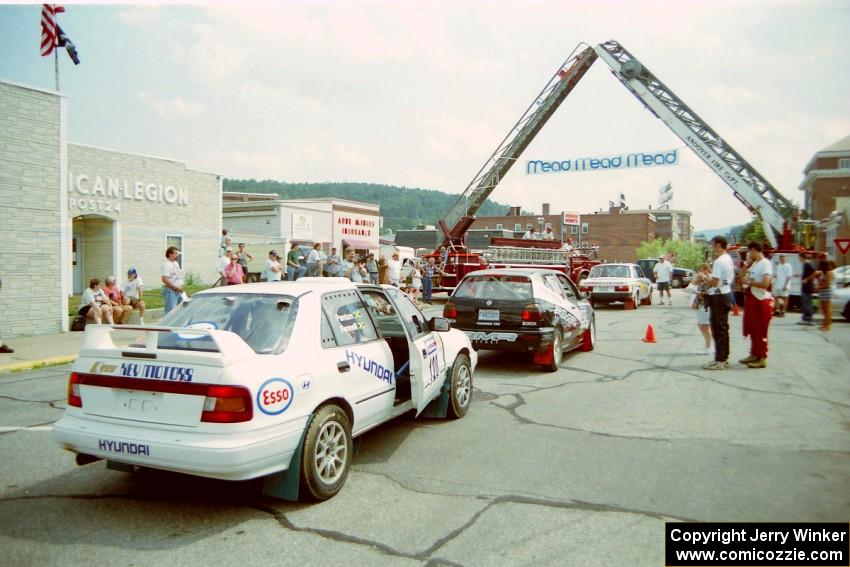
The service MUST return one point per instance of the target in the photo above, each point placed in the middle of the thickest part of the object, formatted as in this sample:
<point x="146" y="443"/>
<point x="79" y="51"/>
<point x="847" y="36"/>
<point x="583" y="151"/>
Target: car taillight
<point x="622" y="288"/>
<point x="586" y="289"/>
<point x="227" y="404"/>
<point x="74" y="398"/>
<point x="531" y="312"/>
<point x="450" y="311"/>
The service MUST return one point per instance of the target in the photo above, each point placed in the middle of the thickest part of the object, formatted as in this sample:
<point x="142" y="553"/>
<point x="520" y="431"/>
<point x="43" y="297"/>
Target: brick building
<point x="72" y="212"/>
<point x="518" y="223"/>
<point x="618" y="232"/>
<point x="826" y="184"/>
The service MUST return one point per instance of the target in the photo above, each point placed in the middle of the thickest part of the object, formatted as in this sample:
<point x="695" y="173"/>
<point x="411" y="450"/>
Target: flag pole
<point x="56" y="66"/>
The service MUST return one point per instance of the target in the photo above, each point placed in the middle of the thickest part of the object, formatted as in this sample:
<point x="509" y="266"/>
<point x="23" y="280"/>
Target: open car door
<point x="427" y="358"/>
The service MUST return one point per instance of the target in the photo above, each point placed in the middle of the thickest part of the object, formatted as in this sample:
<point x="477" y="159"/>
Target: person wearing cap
<point x="120" y="310"/>
<point x="171" y="275"/>
<point x="272" y="271"/>
<point x="132" y="290"/>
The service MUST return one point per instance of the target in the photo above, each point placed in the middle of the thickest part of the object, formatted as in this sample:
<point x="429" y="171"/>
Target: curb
<point x="43" y="363"/>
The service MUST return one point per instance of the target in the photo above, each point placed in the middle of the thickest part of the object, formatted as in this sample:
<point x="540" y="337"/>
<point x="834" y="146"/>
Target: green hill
<point x="401" y="207"/>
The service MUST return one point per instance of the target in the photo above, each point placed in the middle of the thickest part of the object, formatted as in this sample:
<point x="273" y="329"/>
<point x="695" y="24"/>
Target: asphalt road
<point x="580" y="467"/>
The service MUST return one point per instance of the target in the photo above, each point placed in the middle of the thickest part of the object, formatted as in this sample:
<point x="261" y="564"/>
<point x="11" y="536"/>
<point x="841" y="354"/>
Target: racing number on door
<point x="433" y="370"/>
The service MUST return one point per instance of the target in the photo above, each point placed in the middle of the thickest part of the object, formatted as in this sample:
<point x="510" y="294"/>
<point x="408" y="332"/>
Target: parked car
<point x="263" y="380"/>
<point x="841" y="302"/>
<point x="681" y="276"/>
<point x="611" y="283"/>
<point x="529" y="310"/>
<point x="841" y="276"/>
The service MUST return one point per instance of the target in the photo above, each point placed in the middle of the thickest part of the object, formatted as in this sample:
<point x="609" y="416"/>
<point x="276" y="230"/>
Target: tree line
<point x="401" y="207"/>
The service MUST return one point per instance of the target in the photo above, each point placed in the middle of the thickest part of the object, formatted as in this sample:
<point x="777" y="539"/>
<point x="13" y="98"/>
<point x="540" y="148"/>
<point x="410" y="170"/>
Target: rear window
<point x="265" y="322"/>
<point x="610" y="271"/>
<point x="494" y="286"/>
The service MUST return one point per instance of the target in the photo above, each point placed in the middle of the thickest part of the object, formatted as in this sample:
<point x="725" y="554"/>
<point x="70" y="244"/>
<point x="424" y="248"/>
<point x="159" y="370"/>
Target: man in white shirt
<point x="394" y="270"/>
<point x="758" y="306"/>
<point x="781" y="284"/>
<point x="273" y="272"/>
<point x="663" y="271"/>
<point x="531" y="234"/>
<point x="171" y="275"/>
<point x="223" y="262"/>
<point x="548" y="234"/>
<point x="313" y="259"/>
<point x="720" y="302"/>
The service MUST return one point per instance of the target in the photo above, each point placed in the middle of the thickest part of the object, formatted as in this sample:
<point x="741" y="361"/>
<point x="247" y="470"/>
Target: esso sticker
<point x="275" y="396"/>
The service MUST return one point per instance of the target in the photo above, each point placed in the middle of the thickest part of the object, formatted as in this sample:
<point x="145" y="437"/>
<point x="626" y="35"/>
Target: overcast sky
<point x="419" y="93"/>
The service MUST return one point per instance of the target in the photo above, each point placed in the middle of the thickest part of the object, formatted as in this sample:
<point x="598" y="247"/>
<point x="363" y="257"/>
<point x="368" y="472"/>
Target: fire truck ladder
<point x="462" y="213"/>
<point x="753" y="190"/>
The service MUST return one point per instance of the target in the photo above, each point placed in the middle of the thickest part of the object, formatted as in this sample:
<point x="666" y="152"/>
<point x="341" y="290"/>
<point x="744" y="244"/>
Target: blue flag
<point x="64" y="41"/>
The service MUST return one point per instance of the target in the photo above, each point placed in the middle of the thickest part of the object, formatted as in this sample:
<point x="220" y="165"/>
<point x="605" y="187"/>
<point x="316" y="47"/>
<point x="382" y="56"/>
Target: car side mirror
<point x="439" y="324"/>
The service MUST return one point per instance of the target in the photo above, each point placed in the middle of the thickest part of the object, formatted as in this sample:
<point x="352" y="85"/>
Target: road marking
<point x="30" y="428"/>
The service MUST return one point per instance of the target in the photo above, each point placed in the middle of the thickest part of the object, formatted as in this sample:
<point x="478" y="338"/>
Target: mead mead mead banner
<point x="621" y="161"/>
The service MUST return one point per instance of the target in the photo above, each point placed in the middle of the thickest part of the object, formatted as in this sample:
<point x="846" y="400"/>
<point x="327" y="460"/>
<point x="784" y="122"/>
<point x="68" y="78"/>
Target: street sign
<point x="572" y="219"/>
<point x="843" y="244"/>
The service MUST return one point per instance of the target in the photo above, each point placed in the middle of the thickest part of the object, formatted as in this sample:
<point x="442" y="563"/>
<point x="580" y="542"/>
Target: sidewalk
<point x="62" y="348"/>
<point x="51" y="350"/>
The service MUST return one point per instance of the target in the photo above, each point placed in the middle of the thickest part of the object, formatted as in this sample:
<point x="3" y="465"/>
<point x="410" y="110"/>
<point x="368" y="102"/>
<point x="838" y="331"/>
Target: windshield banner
<point x="621" y="161"/>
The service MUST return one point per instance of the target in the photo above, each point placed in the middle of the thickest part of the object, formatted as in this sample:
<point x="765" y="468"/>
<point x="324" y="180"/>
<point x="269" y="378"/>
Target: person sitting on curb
<point x="133" y="290"/>
<point x="94" y="304"/>
<point x="120" y="311"/>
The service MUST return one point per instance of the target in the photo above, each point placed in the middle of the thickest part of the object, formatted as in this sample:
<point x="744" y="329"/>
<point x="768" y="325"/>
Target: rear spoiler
<point x="229" y="345"/>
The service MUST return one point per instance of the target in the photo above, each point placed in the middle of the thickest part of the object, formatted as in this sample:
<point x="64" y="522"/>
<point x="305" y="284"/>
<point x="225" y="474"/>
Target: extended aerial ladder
<point x="749" y="187"/>
<point x="462" y="213"/>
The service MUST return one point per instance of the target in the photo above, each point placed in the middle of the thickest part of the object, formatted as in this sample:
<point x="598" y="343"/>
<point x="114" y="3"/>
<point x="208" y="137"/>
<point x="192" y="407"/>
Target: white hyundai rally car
<point x="608" y="283"/>
<point x="263" y="380"/>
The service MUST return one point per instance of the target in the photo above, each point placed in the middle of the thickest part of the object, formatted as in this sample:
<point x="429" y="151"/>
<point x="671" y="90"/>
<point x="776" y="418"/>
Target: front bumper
<point x="510" y="340"/>
<point x="227" y="455"/>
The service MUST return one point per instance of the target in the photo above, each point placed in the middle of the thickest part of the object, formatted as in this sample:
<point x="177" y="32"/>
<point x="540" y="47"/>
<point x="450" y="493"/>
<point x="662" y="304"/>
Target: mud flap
<point x="439" y="406"/>
<point x="285" y="485"/>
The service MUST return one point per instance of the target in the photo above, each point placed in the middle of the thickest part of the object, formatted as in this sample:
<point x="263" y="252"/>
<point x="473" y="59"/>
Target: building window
<point x="585" y="228"/>
<point x="499" y="226"/>
<point x="528" y="226"/>
<point x="573" y="230"/>
<point x="517" y="227"/>
<point x="844" y="163"/>
<point x="177" y="241"/>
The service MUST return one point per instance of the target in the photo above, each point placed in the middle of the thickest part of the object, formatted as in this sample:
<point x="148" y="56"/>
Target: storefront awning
<point x="358" y="244"/>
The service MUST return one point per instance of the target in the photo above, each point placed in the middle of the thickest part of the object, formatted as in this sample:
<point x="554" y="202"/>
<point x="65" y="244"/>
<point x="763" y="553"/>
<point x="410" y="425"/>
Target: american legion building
<point x="71" y="212"/>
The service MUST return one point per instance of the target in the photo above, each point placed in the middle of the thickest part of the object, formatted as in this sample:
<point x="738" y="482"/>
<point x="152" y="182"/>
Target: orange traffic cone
<point x="650" y="335"/>
<point x="735" y="312"/>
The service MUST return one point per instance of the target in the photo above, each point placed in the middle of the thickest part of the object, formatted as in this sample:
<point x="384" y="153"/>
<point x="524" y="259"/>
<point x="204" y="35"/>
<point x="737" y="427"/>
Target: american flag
<point x="49" y="27"/>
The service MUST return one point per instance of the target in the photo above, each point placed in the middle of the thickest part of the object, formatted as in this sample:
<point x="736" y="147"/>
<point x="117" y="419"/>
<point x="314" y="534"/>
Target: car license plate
<point x="488" y="314"/>
<point x="604" y="289"/>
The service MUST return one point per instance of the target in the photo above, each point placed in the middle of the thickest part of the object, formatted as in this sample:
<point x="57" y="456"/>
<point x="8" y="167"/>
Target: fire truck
<point x="777" y="213"/>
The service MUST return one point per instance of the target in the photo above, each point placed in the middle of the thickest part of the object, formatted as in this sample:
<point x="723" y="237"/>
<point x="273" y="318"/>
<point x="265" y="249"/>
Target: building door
<point x="77" y="262"/>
